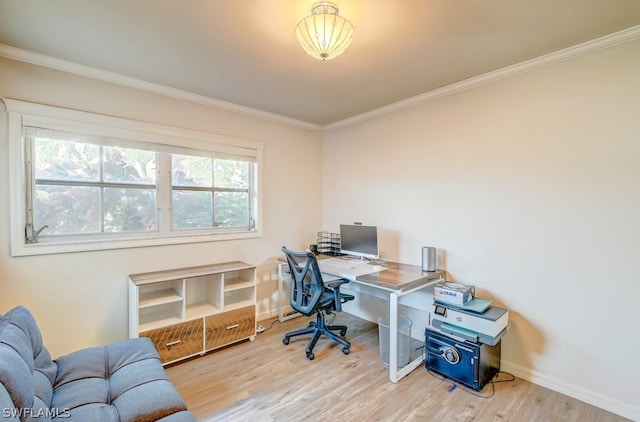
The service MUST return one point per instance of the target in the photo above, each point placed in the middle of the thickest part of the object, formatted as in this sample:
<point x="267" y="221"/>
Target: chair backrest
<point x="307" y="286"/>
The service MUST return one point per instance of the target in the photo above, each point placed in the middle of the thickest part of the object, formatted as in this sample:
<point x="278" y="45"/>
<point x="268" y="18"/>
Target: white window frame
<point x="22" y="114"/>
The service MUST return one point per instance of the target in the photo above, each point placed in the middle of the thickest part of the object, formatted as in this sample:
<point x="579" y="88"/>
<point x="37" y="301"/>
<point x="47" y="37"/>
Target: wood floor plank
<point x="265" y="381"/>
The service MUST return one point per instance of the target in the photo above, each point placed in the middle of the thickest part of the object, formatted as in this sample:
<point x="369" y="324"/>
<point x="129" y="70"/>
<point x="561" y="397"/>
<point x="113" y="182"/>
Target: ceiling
<point x="245" y="52"/>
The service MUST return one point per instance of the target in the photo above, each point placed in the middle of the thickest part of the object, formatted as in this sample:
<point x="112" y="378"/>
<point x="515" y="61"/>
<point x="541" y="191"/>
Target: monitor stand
<point x="356" y="258"/>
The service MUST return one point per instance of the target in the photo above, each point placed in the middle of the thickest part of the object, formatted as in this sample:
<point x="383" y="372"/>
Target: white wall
<point x="80" y="299"/>
<point x="530" y="188"/>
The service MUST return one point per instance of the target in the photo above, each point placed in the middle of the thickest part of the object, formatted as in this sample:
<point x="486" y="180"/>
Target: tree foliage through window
<point x="87" y="188"/>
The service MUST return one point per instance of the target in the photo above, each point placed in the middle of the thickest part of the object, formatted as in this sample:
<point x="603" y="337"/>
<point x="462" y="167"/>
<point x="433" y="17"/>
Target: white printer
<point x="479" y="327"/>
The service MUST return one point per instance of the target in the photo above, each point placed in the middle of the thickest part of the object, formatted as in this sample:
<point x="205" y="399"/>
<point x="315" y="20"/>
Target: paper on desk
<point x="328" y="277"/>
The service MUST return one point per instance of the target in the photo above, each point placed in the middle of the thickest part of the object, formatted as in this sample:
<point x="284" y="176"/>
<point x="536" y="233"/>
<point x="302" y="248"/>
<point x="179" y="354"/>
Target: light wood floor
<point x="264" y="380"/>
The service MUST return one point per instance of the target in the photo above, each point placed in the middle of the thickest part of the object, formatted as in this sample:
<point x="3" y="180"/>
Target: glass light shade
<point x="323" y="34"/>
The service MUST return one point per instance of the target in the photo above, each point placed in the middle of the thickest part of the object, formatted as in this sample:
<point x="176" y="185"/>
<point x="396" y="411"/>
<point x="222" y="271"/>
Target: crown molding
<point x="588" y="47"/>
<point x="38" y="59"/>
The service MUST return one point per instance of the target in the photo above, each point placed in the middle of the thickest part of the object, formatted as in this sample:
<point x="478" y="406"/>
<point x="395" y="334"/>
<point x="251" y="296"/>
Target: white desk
<point x="397" y="281"/>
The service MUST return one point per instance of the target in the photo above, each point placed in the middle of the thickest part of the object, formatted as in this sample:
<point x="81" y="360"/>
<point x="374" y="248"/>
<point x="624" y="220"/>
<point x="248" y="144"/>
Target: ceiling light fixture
<point x="323" y="34"/>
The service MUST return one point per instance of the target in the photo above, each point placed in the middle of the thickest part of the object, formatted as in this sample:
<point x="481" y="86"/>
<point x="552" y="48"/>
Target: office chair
<point x="309" y="295"/>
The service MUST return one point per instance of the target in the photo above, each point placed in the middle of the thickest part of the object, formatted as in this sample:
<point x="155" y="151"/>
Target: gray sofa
<point x="124" y="381"/>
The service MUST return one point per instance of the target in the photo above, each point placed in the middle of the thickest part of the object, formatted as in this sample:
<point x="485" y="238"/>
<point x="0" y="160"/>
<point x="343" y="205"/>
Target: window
<point x="83" y="188"/>
<point x="210" y="192"/>
<point x="96" y="182"/>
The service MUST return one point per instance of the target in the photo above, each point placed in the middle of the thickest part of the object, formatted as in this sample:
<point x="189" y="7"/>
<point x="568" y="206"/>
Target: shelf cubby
<point x="169" y="305"/>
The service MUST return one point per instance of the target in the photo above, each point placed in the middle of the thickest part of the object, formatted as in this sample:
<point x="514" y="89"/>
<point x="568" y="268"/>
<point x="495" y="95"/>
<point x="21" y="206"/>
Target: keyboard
<point x="349" y="269"/>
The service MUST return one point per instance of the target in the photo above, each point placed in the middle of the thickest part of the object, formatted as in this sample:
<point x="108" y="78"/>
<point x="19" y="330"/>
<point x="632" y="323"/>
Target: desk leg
<point x="393" y="337"/>
<point x="396" y="374"/>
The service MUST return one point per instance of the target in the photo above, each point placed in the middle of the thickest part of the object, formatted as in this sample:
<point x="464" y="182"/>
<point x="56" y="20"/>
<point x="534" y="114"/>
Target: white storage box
<point x="454" y="293"/>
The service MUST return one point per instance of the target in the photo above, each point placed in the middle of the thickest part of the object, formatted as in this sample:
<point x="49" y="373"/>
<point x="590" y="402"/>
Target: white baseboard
<point x="608" y="403"/>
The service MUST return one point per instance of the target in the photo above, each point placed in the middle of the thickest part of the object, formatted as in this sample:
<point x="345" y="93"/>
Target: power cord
<point x="261" y="329"/>
<point x="493" y="383"/>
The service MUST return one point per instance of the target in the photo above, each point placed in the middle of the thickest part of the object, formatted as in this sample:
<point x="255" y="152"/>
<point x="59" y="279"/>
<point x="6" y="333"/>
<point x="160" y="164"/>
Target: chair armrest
<point x="335" y="285"/>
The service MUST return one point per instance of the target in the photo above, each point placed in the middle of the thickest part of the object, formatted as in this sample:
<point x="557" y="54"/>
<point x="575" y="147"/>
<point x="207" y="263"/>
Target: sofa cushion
<point x="26" y="369"/>
<point x="9" y="413"/>
<point x="127" y="376"/>
<point x="122" y="382"/>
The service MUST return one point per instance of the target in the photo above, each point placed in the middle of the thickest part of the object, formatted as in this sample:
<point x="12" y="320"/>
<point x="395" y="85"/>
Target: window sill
<point x="30" y="249"/>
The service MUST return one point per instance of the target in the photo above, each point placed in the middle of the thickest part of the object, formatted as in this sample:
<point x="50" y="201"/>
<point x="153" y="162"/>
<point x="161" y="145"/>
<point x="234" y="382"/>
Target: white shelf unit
<point x="160" y="304"/>
<point x="190" y="311"/>
<point x="238" y="292"/>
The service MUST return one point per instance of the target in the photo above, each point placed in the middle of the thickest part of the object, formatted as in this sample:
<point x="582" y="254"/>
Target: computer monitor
<point x="358" y="240"/>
